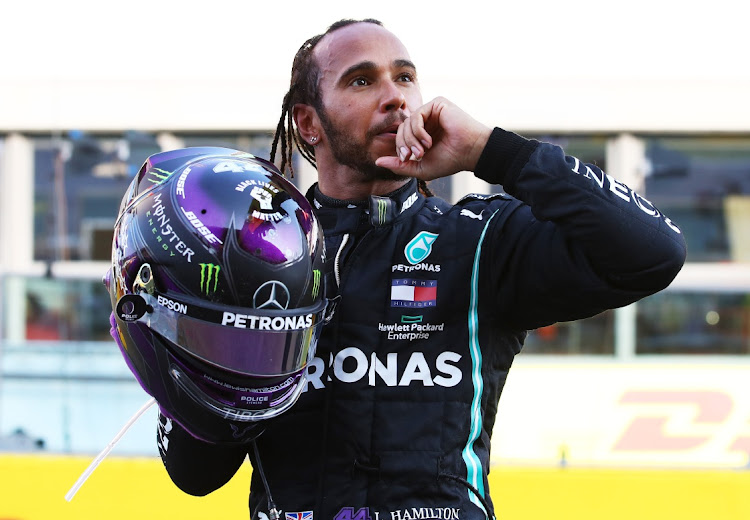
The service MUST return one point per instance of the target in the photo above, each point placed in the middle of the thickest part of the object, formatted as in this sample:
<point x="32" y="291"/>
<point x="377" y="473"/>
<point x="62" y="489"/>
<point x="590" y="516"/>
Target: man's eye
<point x="360" y="82"/>
<point x="406" y="77"/>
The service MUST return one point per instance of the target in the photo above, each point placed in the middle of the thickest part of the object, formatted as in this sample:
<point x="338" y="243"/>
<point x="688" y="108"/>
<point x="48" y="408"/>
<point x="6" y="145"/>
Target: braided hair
<point x="303" y="88"/>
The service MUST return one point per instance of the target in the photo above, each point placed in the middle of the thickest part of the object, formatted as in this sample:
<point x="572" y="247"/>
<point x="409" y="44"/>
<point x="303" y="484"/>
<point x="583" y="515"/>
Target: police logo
<point x="131" y="307"/>
<point x="271" y="295"/>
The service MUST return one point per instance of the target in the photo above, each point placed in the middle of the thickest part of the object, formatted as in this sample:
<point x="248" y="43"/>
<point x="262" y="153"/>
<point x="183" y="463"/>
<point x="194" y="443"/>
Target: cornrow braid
<point x="303" y="88"/>
<point x="422" y="185"/>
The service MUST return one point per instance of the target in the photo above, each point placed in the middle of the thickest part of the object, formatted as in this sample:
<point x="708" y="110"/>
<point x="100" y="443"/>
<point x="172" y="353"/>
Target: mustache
<point x="390" y="120"/>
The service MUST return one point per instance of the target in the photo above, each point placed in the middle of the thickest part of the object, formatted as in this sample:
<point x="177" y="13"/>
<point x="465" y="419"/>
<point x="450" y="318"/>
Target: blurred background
<point x="642" y="411"/>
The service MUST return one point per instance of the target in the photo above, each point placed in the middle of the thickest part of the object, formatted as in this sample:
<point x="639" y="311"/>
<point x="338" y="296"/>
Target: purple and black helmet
<point x="217" y="289"/>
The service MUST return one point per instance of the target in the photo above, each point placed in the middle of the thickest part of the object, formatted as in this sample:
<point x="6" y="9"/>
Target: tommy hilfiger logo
<point x="408" y="292"/>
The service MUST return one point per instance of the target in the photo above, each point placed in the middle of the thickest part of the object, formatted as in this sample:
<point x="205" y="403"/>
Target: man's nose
<point x="393" y="98"/>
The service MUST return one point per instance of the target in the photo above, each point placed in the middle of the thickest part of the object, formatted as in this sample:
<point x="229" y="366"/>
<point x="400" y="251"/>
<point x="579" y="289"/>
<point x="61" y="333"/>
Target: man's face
<point x="368" y="86"/>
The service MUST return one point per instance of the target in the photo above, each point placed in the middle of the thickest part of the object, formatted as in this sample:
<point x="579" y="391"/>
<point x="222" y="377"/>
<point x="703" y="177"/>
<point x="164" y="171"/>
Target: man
<point x="434" y="300"/>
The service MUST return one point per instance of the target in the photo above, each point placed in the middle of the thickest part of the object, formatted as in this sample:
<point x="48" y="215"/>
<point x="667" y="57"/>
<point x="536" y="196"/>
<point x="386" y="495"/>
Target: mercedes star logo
<point x="271" y="295"/>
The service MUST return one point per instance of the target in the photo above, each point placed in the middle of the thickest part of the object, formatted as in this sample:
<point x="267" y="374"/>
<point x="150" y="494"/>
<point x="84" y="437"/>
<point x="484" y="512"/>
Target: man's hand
<point x="437" y="140"/>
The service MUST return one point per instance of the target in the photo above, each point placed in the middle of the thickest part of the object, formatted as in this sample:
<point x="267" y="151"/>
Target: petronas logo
<point x="316" y="283"/>
<point x="420" y="247"/>
<point x="159" y="175"/>
<point x="209" y="278"/>
<point x="382" y="210"/>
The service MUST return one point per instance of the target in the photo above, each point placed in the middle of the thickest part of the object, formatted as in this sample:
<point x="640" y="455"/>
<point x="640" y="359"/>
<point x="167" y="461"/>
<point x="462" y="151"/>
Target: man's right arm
<point x="196" y="467"/>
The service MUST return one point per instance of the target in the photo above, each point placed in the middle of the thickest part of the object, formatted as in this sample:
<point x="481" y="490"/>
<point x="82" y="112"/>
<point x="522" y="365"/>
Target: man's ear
<point x="308" y="124"/>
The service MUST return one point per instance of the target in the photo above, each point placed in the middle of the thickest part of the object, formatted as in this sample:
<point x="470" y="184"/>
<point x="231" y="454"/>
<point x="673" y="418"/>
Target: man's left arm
<point x="622" y="233"/>
<point x="579" y="229"/>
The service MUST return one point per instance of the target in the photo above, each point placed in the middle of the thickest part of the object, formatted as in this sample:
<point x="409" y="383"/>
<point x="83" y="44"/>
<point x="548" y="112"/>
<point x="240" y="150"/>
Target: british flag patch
<point x="302" y="515"/>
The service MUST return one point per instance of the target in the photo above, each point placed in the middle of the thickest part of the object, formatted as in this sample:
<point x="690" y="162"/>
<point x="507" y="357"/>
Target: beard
<point x="348" y="152"/>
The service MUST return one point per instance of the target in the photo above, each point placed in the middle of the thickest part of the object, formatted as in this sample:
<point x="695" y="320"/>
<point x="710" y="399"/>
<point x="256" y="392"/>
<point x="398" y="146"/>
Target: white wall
<point x="581" y="65"/>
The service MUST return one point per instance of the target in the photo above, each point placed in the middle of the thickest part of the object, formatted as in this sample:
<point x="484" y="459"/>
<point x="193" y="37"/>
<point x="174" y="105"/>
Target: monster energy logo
<point x="159" y="175"/>
<point x="316" y="283"/>
<point x="209" y="274"/>
<point x="382" y="210"/>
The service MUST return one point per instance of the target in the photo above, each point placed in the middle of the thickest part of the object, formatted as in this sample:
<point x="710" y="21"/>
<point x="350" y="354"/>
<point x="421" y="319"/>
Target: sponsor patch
<point x="420" y="247"/>
<point x="411" y="328"/>
<point x="408" y="203"/>
<point x="271" y="295"/>
<point x="352" y="365"/>
<point x="471" y="214"/>
<point x="172" y="305"/>
<point x="157" y="175"/>
<point x="277" y="323"/>
<point x="348" y="513"/>
<point x="163" y="232"/>
<point x="620" y="190"/>
<point x="209" y="278"/>
<point x="434" y="268"/>
<point x="180" y="189"/>
<point x="202" y="229"/>
<point x="425" y="513"/>
<point x="408" y="292"/>
<point x="300" y="515"/>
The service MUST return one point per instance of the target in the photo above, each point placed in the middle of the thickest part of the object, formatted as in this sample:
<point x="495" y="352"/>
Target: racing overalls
<point x="434" y="301"/>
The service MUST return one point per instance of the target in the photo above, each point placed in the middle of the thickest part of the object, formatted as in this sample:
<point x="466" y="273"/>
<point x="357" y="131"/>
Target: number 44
<point x="348" y="513"/>
<point x="232" y="166"/>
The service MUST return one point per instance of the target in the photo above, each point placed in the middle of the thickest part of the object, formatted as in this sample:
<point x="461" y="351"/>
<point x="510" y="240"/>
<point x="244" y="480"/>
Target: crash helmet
<point x="216" y="288"/>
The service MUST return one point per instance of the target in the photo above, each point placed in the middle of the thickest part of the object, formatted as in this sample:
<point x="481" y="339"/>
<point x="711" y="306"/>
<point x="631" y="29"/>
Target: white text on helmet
<point x="180" y="190"/>
<point x="237" y="167"/>
<point x="172" y="305"/>
<point x="165" y="229"/>
<point x="202" y="229"/>
<point x="253" y="182"/>
<point x="248" y="321"/>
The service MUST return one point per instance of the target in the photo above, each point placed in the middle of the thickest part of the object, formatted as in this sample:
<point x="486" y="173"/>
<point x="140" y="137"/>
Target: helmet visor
<point x="244" y="341"/>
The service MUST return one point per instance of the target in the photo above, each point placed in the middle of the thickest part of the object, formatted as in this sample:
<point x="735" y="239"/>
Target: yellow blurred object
<point x="737" y="214"/>
<point x="33" y="488"/>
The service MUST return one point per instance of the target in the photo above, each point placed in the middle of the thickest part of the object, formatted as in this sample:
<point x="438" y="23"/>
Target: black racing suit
<point x="434" y="303"/>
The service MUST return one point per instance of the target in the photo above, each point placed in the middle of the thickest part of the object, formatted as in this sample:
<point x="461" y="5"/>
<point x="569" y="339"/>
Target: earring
<point x="313" y="139"/>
